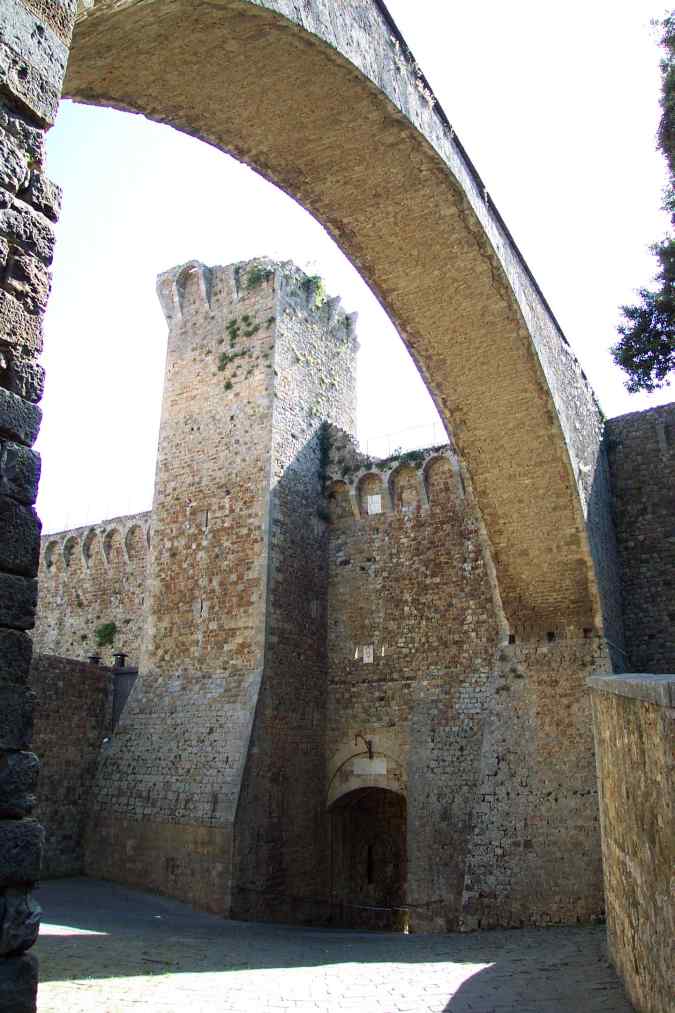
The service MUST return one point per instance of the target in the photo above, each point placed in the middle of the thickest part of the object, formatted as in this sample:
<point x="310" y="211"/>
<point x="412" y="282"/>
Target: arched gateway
<point x="325" y="100"/>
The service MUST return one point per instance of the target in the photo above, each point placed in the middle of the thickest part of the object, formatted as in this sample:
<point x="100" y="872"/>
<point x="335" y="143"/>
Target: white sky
<point x="557" y="106"/>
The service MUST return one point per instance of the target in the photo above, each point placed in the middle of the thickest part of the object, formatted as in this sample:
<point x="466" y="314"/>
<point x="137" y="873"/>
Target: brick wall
<point x="91" y="577"/>
<point x="73" y="715"/>
<point x="641" y="448"/>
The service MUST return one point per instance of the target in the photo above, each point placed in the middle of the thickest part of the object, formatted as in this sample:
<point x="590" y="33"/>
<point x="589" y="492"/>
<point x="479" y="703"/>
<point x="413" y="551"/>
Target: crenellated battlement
<point x="194" y="288"/>
<point x="359" y="486"/>
<point x="91" y="544"/>
<point x="91" y="577"/>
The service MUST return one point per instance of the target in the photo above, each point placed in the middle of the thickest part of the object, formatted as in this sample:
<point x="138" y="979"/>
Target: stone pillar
<point x="34" y="40"/>
<point x="633" y="726"/>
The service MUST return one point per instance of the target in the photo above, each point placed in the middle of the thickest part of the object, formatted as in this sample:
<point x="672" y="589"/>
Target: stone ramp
<point x="107" y="948"/>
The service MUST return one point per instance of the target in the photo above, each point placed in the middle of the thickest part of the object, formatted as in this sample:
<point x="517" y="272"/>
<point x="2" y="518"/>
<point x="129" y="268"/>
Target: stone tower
<point x="228" y="712"/>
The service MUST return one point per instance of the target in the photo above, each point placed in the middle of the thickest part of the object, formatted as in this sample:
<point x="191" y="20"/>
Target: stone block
<point x="19" y="921"/>
<point x="16" y="716"/>
<point x="44" y="195"/>
<point x="18" y="984"/>
<point x="22" y="224"/>
<point x="17" y="326"/>
<point x="20" y="546"/>
<point x="30" y="138"/>
<point x="18" y="777"/>
<point x="32" y="60"/>
<point x="28" y="280"/>
<point x="19" y="419"/>
<point x="21" y="376"/>
<point x="16" y="651"/>
<point x="18" y="601"/>
<point x="59" y="15"/>
<point x="19" y="472"/>
<point x="21" y="843"/>
<point x="27" y="86"/>
<point x="14" y="171"/>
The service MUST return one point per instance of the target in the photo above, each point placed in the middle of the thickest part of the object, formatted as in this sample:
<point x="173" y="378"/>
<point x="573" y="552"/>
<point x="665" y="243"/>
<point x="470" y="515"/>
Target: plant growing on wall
<point x="105" y="634"/>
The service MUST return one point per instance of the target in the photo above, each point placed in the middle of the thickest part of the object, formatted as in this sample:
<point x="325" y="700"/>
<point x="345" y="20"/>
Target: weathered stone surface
<point x="18" y="327"/>
<point x="23" y="225"/>
<point x="18" y="599"/>
<point x="44" y="195"/>
<point x="19" y="921"/>
<point x="29" y="137"/>
<point x="641" y="449"/>
<point x="19" y="419"/>
<point x="88" y="577"/>
<point x="18" y="984"/>
<point x="32" y="60"/>
<point x="59" y="15"/>
<point x="634" y="729"/>
<point x="19" y="472"/>
<point x="16" y="716"/>
<point x="21" y="375"/>
<point x="28" y="281"/>
<point x="16" y="650"/>
<point x="18" y="777"/>
<point x="20" y="548"/>
<point x="21" y="844"/>
<point x="14" y="171"/>
<point x="72" y="718"/>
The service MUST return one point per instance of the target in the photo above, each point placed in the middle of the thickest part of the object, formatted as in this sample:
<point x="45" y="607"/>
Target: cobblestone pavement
<point x="109" y="949"/>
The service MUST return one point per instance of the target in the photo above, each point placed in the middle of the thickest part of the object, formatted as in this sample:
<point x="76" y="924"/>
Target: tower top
<point x="194" y="287"/>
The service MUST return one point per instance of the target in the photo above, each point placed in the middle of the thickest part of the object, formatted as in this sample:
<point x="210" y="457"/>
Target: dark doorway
<point x="369" y="859"/>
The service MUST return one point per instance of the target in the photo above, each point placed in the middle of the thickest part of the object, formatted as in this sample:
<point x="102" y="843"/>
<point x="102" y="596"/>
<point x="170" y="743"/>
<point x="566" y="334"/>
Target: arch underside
<point x="276" y="95"/>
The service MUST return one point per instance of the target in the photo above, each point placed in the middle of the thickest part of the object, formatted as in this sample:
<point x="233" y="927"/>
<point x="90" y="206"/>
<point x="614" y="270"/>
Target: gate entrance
<point x="369" y="859"/>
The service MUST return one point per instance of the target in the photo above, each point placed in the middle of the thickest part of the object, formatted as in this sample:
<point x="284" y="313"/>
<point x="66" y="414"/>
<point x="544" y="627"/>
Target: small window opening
<point x="374" y="505"/>
<point x="550" y="636"/>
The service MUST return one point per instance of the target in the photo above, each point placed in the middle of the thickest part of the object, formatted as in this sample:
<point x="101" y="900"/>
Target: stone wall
<point x="73" y="714"/>
<point x="280" y="855"/>
<point x="235" y="540"/>
<point x="641" y="450"/>
<point x="633" y="723"/>
<point x="91" y="577"/>
<point x="486" y="737"/>
<point x="34" y="40"/>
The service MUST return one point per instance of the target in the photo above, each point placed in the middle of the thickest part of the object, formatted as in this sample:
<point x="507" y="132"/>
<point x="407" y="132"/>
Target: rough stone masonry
<point x="323" y="654"/>
<point x="34" y="39"/>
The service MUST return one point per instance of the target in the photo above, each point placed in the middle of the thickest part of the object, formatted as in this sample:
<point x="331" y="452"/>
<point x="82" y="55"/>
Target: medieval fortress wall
<point x="332" y="718"/>
<point x="91" y="578"/>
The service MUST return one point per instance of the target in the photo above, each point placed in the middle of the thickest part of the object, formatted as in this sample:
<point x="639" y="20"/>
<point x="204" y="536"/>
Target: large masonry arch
<point x="324" y="100"/>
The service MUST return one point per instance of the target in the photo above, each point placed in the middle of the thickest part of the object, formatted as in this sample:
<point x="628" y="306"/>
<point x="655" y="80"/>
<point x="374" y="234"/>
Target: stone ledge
<point x="656" y="689"/>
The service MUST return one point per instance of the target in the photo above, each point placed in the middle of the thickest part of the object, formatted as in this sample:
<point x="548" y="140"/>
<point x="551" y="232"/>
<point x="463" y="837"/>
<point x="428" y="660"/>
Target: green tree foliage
<point x="646" y="348"/>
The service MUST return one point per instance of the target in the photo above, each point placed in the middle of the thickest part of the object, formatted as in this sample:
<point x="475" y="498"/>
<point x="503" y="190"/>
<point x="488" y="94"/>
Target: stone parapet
<point x="633" y="726"/>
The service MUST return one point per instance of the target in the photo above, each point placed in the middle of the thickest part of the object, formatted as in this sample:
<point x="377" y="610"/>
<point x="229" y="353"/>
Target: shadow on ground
<point x="94" y="932"/>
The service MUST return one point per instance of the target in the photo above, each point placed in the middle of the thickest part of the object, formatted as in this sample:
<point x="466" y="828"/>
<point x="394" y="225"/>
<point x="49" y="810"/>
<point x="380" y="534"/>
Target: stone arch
<point x="113" y="547"/>
<point x="51" y="554"/>
<point x="450" y="275"/>
<point x="441" y="481"/>
<point x="71" y="551"/>
<point x="91" y="547"/>
<point x="135" y="543"/>
<point x="339" y="502"/>
<point x="368" y="831"/>
<point x="404" y="489"/>
<point x="370" y="493"/>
